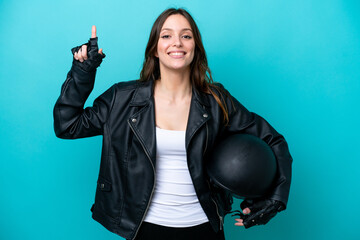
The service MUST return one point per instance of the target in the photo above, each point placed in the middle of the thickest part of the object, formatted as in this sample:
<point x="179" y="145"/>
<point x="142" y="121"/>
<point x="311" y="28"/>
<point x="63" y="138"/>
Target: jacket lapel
<point x="143" y="120"/>
<point x="198" y="114"/>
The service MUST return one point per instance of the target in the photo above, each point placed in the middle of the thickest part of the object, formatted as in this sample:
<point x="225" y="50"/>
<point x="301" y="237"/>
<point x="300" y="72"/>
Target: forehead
<point x="176" y="22"/>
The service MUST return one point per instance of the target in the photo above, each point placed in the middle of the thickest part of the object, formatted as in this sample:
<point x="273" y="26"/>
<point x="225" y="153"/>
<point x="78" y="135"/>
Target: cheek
<point x="193" y="52"/>
<point x="162" y="45"/>
<point x="161" y="49"/>
<point x="192" y="47"/>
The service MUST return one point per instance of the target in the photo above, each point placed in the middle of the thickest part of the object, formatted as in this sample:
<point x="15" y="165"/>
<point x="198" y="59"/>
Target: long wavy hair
<point x="200" y="74"/>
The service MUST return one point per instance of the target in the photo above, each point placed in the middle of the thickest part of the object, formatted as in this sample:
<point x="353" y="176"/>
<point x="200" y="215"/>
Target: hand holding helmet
<point x="261" y="211"/>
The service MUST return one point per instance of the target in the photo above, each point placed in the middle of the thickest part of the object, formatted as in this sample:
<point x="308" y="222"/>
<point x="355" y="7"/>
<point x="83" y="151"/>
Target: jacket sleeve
<point x="71" y="120"/>
<point x="243" y="121"/>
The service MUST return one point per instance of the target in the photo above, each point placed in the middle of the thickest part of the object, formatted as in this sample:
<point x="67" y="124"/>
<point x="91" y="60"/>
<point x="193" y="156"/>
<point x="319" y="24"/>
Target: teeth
<point x="177" y="53"/>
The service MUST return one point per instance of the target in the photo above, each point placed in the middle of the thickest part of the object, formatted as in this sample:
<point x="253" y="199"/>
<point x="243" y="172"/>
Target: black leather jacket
<point x="124" y="115"/>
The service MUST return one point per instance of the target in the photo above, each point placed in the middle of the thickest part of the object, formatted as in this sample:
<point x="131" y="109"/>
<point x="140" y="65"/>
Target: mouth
<point x="177" y="53"/>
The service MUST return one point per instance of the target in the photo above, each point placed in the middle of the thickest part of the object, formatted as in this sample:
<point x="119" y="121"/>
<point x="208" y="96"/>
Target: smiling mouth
<point x="177" y="53"/>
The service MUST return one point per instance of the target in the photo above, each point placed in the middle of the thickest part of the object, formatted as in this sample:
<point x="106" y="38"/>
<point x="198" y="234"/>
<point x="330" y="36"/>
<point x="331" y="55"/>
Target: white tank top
<point x="174" y="202"/>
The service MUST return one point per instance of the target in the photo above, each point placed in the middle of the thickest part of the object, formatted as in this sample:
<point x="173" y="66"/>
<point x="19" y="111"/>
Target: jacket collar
<point x="143" y="120"/>
<point x="144" y="93"/>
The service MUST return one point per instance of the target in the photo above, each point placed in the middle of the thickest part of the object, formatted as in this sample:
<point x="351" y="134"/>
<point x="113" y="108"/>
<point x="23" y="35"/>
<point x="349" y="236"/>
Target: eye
<point x="187" y="36"/>
<point x="165" y="36"/>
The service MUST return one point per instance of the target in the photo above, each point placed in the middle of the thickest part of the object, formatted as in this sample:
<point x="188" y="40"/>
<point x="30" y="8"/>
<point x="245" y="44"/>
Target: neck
<point x="174" y="84"/>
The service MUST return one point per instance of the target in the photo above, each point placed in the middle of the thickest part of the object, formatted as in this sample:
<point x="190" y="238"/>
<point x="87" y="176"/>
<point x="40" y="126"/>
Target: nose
<point x="177" y="41"/>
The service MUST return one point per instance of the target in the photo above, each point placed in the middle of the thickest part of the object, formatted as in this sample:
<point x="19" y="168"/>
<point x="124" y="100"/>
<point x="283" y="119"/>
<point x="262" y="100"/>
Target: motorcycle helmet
<point x="242" y="164"/>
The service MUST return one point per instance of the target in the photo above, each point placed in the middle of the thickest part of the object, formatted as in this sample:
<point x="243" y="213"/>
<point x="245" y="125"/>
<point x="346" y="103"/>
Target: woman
<point x="157" y="133"/>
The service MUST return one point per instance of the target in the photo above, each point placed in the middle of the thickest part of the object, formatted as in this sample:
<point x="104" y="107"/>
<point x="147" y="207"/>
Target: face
<point x="176" y="45"/>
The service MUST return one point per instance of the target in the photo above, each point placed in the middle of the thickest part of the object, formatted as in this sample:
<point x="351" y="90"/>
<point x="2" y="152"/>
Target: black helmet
<point x="244" y="165"/>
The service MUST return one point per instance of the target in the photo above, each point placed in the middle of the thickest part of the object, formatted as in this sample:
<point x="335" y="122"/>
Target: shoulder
<point x="120" y="90"/>
<point x="232" y="104"/>
<point x="127" y="85"/>
<point x="123" y="88"/>
<point x="219" y="89"/>
<point x="133" y="92"/>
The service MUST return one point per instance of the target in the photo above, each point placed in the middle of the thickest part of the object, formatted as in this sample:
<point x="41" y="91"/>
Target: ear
<point x="156" y="54"/>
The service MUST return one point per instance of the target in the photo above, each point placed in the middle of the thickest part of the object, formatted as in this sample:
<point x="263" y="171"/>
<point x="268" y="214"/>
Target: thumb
<point x="246" y="210"/>
<point x="100" y="51"/>
<point x="93" y="31"/>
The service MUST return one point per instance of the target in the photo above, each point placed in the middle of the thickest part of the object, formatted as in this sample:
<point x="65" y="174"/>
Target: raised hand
<point x="81" y="55"/>
<point x="88" y="56"/>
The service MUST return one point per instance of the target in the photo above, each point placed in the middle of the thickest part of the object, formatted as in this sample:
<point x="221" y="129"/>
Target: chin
<point x="177" y="67"/>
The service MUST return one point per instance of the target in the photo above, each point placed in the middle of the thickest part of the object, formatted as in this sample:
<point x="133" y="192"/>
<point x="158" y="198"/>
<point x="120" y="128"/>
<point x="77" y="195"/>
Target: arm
<point x="256" y="125"/>
<point x="71" y="120"/>
<point x="243" y="121"/>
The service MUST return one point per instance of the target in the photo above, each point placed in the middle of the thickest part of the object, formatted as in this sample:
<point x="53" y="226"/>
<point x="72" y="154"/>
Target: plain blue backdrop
<point x="296" y="63"/>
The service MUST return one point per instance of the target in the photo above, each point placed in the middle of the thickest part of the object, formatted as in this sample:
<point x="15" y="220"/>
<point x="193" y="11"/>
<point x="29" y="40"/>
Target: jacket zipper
<point x="220" y="217"/>
<point x="152" y="191"/>
<point x="217" y="210"/>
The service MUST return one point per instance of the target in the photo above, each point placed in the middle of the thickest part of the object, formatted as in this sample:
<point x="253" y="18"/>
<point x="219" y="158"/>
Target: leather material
<point x="262" y="210"/>
<point x="94" y="57"/>
<point x="124" y="115"/>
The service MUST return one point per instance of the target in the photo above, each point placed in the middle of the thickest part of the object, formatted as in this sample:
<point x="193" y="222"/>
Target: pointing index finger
<point x="93" y="32"/>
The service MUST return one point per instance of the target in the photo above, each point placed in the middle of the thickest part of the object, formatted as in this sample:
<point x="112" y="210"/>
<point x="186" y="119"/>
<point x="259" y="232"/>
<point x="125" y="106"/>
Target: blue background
<point x="296" y="63"/>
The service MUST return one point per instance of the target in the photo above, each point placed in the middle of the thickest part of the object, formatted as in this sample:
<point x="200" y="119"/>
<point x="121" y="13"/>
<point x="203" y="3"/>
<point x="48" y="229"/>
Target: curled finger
<point x="84" y="52"/>
<point x="250" y="220"/>
<point x="79" y="55"/>
<point x="76" y="56"/>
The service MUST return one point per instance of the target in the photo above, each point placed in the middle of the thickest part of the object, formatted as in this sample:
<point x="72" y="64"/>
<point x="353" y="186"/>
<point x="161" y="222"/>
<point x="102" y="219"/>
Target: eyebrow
<point x="169" y="29"/>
